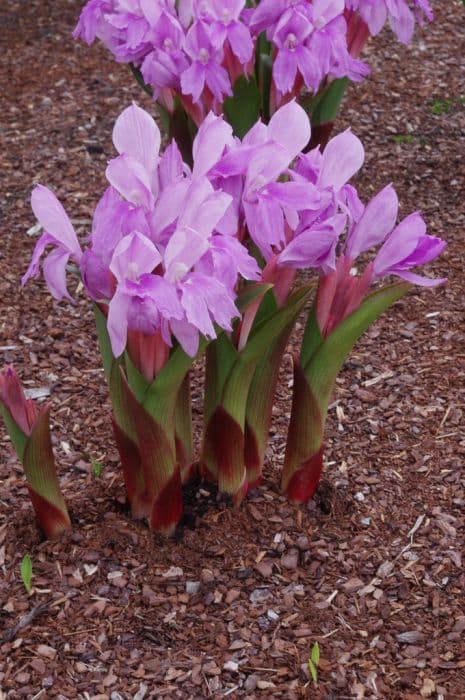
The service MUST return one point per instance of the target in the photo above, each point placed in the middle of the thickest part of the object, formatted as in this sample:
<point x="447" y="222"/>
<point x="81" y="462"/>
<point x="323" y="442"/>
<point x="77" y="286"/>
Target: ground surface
<point x="372" y="569"/>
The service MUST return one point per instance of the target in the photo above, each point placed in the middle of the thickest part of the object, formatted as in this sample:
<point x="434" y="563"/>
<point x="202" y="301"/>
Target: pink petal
<point x="290" y="127"/>
<point x="376" y="222"/>
<point x="54" y="219"/>
<point x="117" y="322"/>
<point x="55" y="273"/>
<point x="419" y="279"/>
<point x="342" y="157"/>
<point x="136" y="134"/>
<point x="212" y="137"/>
<point x="130" y="178"/>
<point x="33" y="269"/>
<point x="135" y="255"/>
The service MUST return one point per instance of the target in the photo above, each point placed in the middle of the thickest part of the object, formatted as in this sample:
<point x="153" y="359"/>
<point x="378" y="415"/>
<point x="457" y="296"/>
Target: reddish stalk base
<point x="52" y="520"/>
<point x="224" y="447"/>
<point x="320" y="135"/>
<point x="252" y="458"/>
<point x="167" y="506"/>
<point x="132" y="474"/>
<point x="188" y="468"/>
<point x="304" y="482"/>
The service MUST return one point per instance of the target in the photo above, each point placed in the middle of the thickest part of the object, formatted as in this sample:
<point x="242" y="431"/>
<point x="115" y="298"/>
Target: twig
<point x="89" y="629"/>
<point x="39" y="694"/>
<point x="209" y="690"/>
<point x="26" y="620"/>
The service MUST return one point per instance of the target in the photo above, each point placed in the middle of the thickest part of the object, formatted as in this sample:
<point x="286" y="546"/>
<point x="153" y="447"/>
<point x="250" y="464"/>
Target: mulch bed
<point x="372" y="568"/>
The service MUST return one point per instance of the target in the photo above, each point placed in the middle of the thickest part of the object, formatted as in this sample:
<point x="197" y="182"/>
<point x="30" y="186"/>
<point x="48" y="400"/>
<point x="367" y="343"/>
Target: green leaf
<point x="312" y="338"/>
<point x="220" y="358"/>
<point x="260" y="403"/>
<point x="223" y="447"/>
<point x="267" y="308"/>
<point x="140" y="79"/>
<point x="403" y="138"/>
<point x="156" y="442"/>
<point x="39" y="462"/>
<point x="243" y="108"/>
<point x="160" y="397"/>
<point x="121" y="409"/>
<point x="26" y="572"/>
<point x="164" y="117"/>
<point x="104" y="341"/>
<point x="183" y="427"/>
<point x="313" y="662"/>
<point x="17" y="437"/>
<point x="313" y="671"/>
<point x="322" y="368"/>
<point x="250" y="293"/>
<point x="325" y="108"/>
<point x="96" y="468"/>
<point x="264" y="73"/>
<point x="136" y="380"/>
<point x="271" y="325"/>
<point x="261" y="337"/>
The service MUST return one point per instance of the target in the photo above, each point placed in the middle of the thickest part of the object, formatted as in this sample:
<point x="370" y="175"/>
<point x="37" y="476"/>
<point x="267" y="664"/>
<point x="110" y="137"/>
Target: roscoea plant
<point x="244" y="59"/>
<point x="295" y="208"/>
<point x="185" y="259"/>
<point x="29" y="430"/>
<point x="155" y="269"/>
<point x="343" y="309"/>
<point x="242" y="370"/>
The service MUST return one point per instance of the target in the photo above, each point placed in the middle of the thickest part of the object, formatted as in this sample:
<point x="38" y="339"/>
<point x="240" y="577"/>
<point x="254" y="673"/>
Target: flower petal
<point x="130" y="178"/>
<point x="54" y="219"/>
<point x="290" y="127"/>
<point x="342" y="157"/>
<point x="134" y="256"/>
<point x="212" y="137"/>
<point x="55" y="273"/>
<point x="136" y="134"/>
<point x="117" y="322"/>
<point x="376" y="222"/>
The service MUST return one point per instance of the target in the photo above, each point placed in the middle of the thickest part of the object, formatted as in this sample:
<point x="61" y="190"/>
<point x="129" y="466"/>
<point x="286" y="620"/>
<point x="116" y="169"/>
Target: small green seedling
<point x="440" y="107"/>
<point x="96" y="468"/>
<point x="313" y="662"/>
<point x="26" y="572"/>
<point x="403" y="138"/>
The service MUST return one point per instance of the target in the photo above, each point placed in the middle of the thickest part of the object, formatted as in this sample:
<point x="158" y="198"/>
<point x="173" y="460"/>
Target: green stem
<point x="314" y="379"/>
<point x="183" y="421"/>
<point x="36" y="455"/>
<point x="260" y="406"/>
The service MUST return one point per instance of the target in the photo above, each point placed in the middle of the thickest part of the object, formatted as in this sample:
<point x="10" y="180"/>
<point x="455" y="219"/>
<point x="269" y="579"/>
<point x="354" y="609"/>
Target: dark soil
<point x="372" y="568"/>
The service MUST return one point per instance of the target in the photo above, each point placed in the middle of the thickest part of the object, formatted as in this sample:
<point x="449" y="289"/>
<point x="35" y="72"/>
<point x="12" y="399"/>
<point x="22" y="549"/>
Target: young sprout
<point x="26" y="572"/>
<point x="313" y="662"/>
<point x="96" y="468"/>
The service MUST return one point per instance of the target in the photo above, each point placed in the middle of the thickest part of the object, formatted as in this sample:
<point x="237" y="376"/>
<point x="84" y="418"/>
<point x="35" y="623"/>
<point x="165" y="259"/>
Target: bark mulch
<point x="372" y="569"/>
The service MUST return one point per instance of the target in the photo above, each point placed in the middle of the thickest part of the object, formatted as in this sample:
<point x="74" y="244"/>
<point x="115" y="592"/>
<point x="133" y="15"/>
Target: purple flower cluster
<point x="400" y="14"/>
<point x="155" y="252"/>
<point x="196" y="49"/>
<point x="168" y="243"/>
<point x="310" y="42"/>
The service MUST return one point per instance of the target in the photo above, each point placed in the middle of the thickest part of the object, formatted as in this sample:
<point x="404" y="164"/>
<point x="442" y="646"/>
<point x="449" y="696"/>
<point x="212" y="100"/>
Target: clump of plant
<point x="28" y="427"/>
<point x="183" y="261"/>
<point x="245" y="59"/>
<point x="197" y="251"/>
